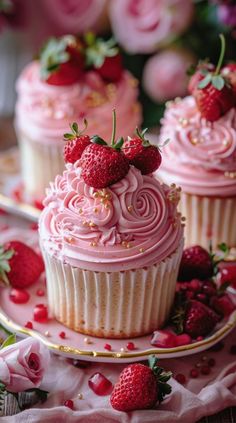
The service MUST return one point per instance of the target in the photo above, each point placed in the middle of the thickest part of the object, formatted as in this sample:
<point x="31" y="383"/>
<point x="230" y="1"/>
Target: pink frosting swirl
<point x="44" y="111"/>
<point x="132" y="224"/>
<point x="201" y="156"/>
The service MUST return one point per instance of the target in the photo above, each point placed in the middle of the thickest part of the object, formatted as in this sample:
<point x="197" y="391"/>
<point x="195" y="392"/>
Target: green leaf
<point x="205" y="81"/>
<point x="74" y="128"/>
<point x="152" y="361"/>
<point x="223" y="247"/>
<point x="119" y="143"/>
<point x="69" y="136"/>
<point x="9" y="341"/>
<point x="98" y="140"/>
<point x="218" y="82"/>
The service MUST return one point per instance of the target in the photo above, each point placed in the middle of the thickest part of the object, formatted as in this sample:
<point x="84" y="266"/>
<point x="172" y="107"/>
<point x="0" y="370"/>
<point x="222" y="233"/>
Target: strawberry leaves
<point x="5" y="256"/>
<point x="75" y="131"/>
<point x="97" y="50"/>
<point x="53" y="54"/>
<point x="162" y="378"/>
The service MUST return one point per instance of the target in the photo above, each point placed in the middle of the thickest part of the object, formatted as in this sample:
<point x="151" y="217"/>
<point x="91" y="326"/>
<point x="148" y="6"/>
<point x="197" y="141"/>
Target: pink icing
<point x="132" y="224"/>
<point x="44" y="111"/>
<point x="201" y="156"/>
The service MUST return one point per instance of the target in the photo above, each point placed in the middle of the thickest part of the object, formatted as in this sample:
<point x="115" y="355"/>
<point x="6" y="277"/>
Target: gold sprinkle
<point x="85" y="223"/>
<point x="169" y="104"/>
<point x="80" y="396"/>
<point x="194" y="141"/>
<point x="230" y="175"/>
<point x="92" y="224"/>
<point x="183" y="122"/>
<point x="95" y="210"/>
<point x="70" y="240"/>
<point x="141" y="250"/>
<point x="183" y="219"/>
<point x="226" y="143"/>
<point x="47" y="333"/>
<point x="103" y="200"/>
<point x="133" y="82"/>
<point x="80" y="211"/>
<point x="124" y="243"/>
<point x="122" y="349"/>
<point x="87" y="341"/>
<point x="93" y="244"/>
<point x="107" y="206"/>
<point x="173" y="185"/>
<point x="108" y="196"/>
<point x="128" y="245"/>
<point x="179" y="189"/>
<point x="95" y="194"/>
<point x="130" y="208"/>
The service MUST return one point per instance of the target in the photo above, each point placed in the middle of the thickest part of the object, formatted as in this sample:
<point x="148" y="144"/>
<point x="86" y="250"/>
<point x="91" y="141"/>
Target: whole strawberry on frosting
<point x="214" y="95"/>
<point x="76" y="142"/>
<point x="104" y="57"/>
<point x="102" y="164"/>
<point x="141" y="154"/>
<point x="140" y="387"/>
<point x="62" y="61"/>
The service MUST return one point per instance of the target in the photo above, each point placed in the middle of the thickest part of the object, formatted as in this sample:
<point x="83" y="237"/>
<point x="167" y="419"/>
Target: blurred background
<point x="159" y="40"/>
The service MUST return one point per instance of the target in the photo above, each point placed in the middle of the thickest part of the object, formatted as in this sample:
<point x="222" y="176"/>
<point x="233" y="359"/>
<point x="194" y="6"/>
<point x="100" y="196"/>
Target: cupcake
<point x="73" y="79"/>
<point x="112" y="241"/>
<point x="201" y="157"/>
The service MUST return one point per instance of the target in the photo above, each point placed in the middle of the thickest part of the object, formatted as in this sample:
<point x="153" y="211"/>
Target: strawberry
<point x="104" y="165"/>
<point x="111" y="69"/>
<point x="196" y="263"/>
<point x="223" y="305"/>
<point x="199" y="319"/>
<point x="213" y="95"/>
<point x="76" y="143"/>
<point x="228" y="275"/>
<point x="62" y="61"/>
<point x="104" y="57"/>
<point x="141" y="154"/>
<point x="19" y="264"/>
<point x="140" y="386"/>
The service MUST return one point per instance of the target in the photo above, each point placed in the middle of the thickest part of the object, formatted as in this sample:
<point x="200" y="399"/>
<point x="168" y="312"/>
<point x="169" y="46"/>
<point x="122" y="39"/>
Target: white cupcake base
<point x="209" y="219"/>
<point x="114" y="305"/>
<point x="40" y="163"/>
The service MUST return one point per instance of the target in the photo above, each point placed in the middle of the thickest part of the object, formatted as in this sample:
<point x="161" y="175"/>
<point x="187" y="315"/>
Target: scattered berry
<point x="228" y="275"/>
<point x="180" y="378"/>
<point x="211" y="362"/>
<point x="141" y="154"/>
<point x="194" y="373"/>
<point x="29" y="325"/>
<point x="199" y="320"/>
<point x="107" y="347"/>
<point x="40" y="292"/>
<point x="163" y="339"/>
<point x="69" y="403"/>
<point x="19" y="296"/>
<point x="76" y="143"/>
<point x="140" y="387"/>
<point x="38" y="204"/>
<point x="195" y="264"/>
<point x="205" y="370"/>
<point x="100" y="385"/>
<point x="40" y="313"/>
<point x="19" y="264"/>
<point x="130" y="346"/>
<point x="62" y="335"/>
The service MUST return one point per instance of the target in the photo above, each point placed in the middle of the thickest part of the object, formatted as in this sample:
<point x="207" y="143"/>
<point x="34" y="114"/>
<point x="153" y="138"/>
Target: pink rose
<point x="141" y="26"/>
<point x="164" y="75"/>
<point x="22" y="365"/>
<point x="74" y="16"/>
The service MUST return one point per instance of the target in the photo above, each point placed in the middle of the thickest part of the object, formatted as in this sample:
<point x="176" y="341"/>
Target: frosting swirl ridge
<point x="131" y="224"/>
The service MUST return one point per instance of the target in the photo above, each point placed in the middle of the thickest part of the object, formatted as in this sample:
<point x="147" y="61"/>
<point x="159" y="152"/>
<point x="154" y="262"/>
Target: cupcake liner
<point x="9" y="405"/>
<point x="209" y="219"/>
<point x="40" y="163"/>
<point x="115" y="305"/>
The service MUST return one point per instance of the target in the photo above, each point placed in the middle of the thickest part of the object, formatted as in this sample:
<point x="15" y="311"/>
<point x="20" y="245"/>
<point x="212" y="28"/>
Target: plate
<point x="79" y="346"/>
<point x="10" y="182"/>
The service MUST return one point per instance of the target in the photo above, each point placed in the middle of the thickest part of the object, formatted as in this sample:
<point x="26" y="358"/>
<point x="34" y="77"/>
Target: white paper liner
<point x="209" y="219"/>
<point x="115" y="305"/>
<point x="40" y="163"/>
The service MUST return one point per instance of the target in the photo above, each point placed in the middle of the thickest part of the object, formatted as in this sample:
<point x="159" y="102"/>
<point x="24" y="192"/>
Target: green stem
<point x="222" y="53"/>
<point x="113" y="127"/>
